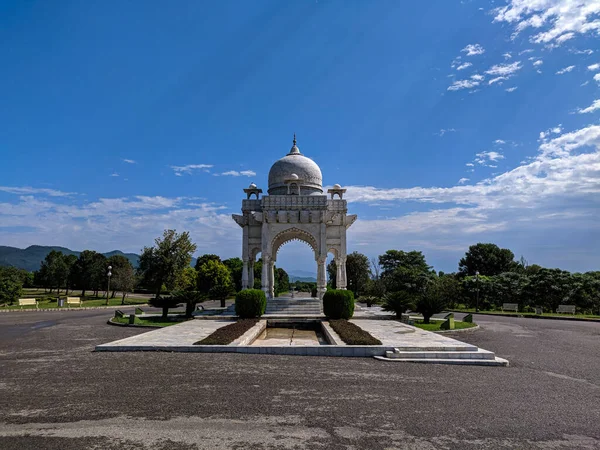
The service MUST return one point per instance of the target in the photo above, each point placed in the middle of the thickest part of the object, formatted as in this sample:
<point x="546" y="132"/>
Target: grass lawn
<point x="435" y="326"/>
<point x="529" y="314"/>
<point x="152" y="321"/>
<point x="86" y="301"/>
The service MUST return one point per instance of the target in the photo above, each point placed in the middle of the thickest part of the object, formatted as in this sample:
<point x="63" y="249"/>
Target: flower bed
<point x="229" y="333"/>
<point x="352" y="334"/>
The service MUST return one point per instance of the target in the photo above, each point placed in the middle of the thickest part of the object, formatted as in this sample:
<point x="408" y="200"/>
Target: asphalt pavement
<point x="57" y="393"/>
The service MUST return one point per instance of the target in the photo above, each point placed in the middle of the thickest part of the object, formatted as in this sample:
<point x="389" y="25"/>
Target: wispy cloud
<point x="597" y="78"/>
<point x="595" y="106"/>
<point x="538" y="63"/>
<point x="446" y="130"/>
<point x="499" y="142"/>
<point x="464" y="66"/>
<point x="497" y="80"/>
<point x="511" y="89"/>
<point x="473" y="49"/>
<point x="565" y="70"/>
<point x="504" y="70"/>
<point x="463" y="180"/>
<point x="560" y="20"/>
<point x="27" y="190"/>
<point x="235" y="173"/>
<point x="594" y="67"/>
<point x="129" y="161"/>
<point x="180" y="170"/>
<point x="114" y="174"/>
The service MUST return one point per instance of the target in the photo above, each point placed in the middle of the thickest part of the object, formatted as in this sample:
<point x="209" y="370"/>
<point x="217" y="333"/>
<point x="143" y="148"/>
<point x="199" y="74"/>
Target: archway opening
<point x="297" y="258"/>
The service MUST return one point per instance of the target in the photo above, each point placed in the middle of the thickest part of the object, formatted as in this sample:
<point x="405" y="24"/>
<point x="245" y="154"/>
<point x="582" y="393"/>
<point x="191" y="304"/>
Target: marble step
<point x="479" y="354"/>
<point x="470" y="362"/>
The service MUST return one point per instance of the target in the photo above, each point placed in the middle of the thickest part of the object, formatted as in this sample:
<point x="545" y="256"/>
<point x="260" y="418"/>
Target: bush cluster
<point x="338" y="304"/>
<point x="352" y="334"/>
<point x="250" y="303"/>
<point x="229" y="333"/>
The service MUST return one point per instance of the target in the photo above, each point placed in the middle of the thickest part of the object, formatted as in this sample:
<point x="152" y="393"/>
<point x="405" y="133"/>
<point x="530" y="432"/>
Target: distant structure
<point x="294" y="209"/>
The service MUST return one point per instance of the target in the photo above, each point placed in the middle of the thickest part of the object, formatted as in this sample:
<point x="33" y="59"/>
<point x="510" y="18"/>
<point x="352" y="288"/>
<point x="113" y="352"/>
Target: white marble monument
<point x="294" y="209"/>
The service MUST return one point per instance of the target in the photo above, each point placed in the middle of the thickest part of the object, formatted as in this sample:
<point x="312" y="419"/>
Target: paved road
<point x="56" y="393"/>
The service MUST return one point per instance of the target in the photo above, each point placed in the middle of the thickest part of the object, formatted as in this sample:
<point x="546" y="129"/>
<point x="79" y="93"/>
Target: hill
<point x="31" y="257"/>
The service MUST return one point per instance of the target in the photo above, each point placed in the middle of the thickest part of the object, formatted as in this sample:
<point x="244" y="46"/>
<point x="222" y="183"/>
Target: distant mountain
<point x="31" y="257"/>
<point x="302" y="275"/>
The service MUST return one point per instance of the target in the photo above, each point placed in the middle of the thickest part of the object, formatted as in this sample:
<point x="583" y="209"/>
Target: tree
<point x="89" y="271"/>
<point x="187" y="280"/>
<point x="235" y="266"/>
<point x="10" y="285"/>
<point x="123" y="276"/>
<point x="399" y="302"/>
<point x="162" y="263"/>
<point x="282" y="281"/>
<point x="189" y="298"/>
<point x="55" y="270"/>
<point x="357" y="272"/>
<point x="487" y="259"/>
<point x="432" y="300"/>
<point x="204" y="259"/>
<point x="405" y="271"/>
<point x="450" y="289"/>
<point x="214" y="280"/>
<point x="392" y="259"/>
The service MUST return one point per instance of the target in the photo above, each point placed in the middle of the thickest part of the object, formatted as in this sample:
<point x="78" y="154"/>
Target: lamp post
<point x="109" y="274"/>
<point x="477" y="289"/>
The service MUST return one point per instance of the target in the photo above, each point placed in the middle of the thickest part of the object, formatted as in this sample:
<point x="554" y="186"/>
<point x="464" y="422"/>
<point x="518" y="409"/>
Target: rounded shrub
<point x="250" y="303"/>
<point x="338" y="304"/>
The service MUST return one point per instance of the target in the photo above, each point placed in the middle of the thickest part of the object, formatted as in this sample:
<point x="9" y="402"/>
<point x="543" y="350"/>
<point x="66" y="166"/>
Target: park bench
<point x="28" y="302"/>
<point x="566" y="309"/>
<point x="442" y="316"/>
<point x="510" y="307"/>
<point x="73" y="301"/>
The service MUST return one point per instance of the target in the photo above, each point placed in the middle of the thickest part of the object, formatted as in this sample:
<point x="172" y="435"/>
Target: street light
<point x="109" y="274"/>
<point x="477" y="288"/>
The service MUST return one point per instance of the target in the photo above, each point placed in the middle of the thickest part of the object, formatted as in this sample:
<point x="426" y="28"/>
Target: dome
<point x="252" y="186"/>
<point x="293" y="166"/>
<point x="337" y="186"/>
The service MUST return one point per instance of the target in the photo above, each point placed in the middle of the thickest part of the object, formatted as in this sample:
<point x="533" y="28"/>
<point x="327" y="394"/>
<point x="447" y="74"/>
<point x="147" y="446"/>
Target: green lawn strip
<point x="435" y="326"/>
<point x="148" y="321"/>
<point x="86" y="302"/>
<point x="352" y="334"/>
<point x="528" y="314"/>
<point x="229" y="333"/>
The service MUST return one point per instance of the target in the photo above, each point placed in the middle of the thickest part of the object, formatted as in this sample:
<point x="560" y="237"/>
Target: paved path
<point x="55" y="393"/>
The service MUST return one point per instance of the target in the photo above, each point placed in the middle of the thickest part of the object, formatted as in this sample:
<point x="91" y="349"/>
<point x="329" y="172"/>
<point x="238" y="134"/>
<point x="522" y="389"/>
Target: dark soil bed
<point x="352" y="334"/>
<point x="229" y="333"/>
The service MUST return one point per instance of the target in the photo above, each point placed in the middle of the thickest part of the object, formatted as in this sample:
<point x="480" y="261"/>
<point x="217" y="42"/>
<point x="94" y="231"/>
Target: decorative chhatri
<point x="294" y="209"/>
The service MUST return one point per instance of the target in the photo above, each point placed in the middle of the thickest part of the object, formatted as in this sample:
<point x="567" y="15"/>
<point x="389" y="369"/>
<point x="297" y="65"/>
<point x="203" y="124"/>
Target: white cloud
<point x="507" y="55"/>
<point x="595" y="106"/>
<point x="499" y="142"/>
<point x="463" y="180"/>
<point x="527" y="50"/>
<point x="463" y="84"/>
<point x="597" y="78"/>
<point x="464" y="66"/>
<point x="473" y="49"/>
<point x="511" y="89"/>
<point x="497" y="80"/>
<point x="27" y="190"/>
<point x="583" y="52"/>
<point x="504" y="70"/>
<point x="129" y="161"/>
<point x="446" y="130"/>
<point x="180" y="170"/>
<point x="235" y="173"/>
<point x="548" y="132"/>
<point x="560" y="20"/>
<point x="484" y="158"/>
<point x="538" y="63"/>
<point x="565" y="70"/>
<point x="594" y="67"/>
<point x="114" y="174"/>
<point x="477" y="77"/>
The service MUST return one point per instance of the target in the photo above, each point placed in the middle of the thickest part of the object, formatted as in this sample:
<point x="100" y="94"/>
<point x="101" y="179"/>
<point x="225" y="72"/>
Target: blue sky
<point x="450" y="123"/>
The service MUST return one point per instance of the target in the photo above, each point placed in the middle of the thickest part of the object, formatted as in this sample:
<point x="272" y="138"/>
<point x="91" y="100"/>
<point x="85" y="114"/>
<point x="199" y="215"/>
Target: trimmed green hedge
<point x="338" y="304"/>
<point x="250" y="303"/>
<point x="229" y="333"/>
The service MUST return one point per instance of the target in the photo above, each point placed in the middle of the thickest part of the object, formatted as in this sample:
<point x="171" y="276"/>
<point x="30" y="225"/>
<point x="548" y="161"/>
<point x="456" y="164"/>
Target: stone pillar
<point x="272" y="279"/>
<point x="321" y="277"/>
<point x="338" y="275"/>
<point x="341" y="274"/>
<point x="245" y="274"/>
<point x="265" y="275"/>
<point x="251" y="275"/>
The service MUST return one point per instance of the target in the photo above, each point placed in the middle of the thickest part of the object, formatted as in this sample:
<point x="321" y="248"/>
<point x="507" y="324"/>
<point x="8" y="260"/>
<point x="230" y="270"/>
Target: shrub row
<point x="352" y="334"/>
<point x="250" y="303"/>
<point x="229" y="333"/>
<point x="338" y="304"/>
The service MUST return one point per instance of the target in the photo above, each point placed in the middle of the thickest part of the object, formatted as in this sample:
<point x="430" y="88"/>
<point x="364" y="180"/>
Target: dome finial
<point x="294" y="150"/>
<point x="294" y="139"/>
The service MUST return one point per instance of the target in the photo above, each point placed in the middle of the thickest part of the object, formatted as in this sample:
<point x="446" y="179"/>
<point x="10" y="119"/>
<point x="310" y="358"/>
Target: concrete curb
<point x="520" y="316"/>
<point x="82" y="308"/>
<point x="116" y="324"/>
<point x="476" y="327"/>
